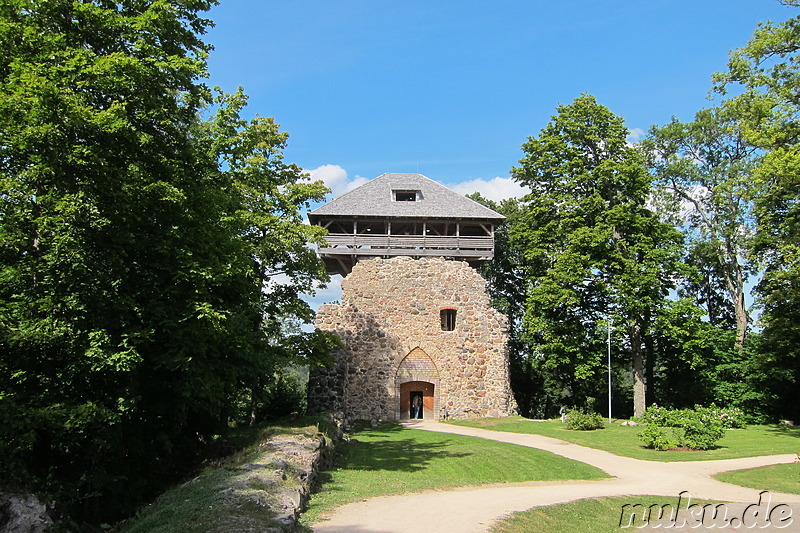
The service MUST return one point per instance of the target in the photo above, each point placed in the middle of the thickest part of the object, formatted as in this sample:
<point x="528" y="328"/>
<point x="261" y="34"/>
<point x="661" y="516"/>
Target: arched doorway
<point x="412" y="392"/>
<point x="417" y="380"/>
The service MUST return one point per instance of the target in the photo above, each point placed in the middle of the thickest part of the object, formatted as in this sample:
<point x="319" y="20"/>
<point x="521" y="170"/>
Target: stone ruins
<point x="415" y="318"/>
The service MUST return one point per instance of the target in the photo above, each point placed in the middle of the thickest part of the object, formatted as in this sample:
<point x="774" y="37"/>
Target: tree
<point x="149" y="242"/>
<point x="761" y="87"/>
<point x="508" y="289"/>
<point x="268" y="193"/>
<point x="591" y="247"/>
<point x="705" y="169"/>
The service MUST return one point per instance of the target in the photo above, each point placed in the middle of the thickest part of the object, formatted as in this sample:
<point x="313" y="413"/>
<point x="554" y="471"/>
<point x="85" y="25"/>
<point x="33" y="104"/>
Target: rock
<point x="23" y="514"/>
<point x="286" y="519"/>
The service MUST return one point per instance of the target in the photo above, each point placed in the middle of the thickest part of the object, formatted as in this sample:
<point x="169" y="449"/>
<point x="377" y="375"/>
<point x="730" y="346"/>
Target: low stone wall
<point x="261" y="488"/>
<point x="287" y="470"/>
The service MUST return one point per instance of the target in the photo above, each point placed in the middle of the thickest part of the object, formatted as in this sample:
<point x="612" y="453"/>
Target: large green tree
<point x="149" y="242"/>
<point x="704" y="172"/>
<point x="761" y="87"/>
<point x="591" y="246"/>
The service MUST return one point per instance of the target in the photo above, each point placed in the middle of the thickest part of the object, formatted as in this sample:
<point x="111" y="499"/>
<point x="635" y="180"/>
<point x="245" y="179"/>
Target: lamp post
<point x="610" y="324"/>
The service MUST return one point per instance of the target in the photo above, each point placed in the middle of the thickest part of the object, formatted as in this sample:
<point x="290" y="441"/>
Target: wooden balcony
<point x="344" y="249"/>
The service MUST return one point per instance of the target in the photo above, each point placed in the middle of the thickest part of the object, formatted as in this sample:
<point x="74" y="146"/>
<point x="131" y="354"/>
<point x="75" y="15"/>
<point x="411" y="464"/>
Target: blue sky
<point x="451" y="89"/>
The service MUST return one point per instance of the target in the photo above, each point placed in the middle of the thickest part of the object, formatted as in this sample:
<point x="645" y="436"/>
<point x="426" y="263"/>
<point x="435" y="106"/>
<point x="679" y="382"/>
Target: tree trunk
<point x="741" y="321"/>
<point x="735" y="280"/>
<point x="637" y="363"/>
<point x="650" y="362"/>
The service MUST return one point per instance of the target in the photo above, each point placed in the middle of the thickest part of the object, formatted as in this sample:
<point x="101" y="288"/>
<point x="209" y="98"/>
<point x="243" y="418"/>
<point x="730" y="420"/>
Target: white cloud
<point x="496" y="189"/>
<point x="331" y="292"/>
<point x="635" y="135"/>
<point x="336" y="179"/>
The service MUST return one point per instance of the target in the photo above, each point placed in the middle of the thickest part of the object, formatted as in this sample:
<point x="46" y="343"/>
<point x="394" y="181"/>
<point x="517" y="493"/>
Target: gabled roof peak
<point x="379" y="198"/>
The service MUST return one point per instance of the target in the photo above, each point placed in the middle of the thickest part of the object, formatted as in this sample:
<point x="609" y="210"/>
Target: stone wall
<point x="389" y="321"/>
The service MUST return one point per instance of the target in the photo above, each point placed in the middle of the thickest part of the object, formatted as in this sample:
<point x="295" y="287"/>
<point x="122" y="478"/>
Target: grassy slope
<point x="599" y="515"/>
<point x="624" y="440"/>
<point x="777" y="478"/>
<point x="391" y="459"/>
<point x="231" y="494"/>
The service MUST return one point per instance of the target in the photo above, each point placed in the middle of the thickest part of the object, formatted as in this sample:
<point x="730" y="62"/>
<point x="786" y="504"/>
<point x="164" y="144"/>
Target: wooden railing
<point x="344" y="243"/>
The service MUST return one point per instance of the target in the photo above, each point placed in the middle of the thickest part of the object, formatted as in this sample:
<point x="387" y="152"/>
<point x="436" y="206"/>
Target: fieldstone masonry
<point x="389" y="321"/>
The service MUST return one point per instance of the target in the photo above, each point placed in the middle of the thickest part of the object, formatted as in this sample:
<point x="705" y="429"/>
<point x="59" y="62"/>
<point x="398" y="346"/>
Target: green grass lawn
<point x="778" y="478"/>
<point x="597" y="515"/>
<point x="392" y="459"/>
<point x="624" y="440"/>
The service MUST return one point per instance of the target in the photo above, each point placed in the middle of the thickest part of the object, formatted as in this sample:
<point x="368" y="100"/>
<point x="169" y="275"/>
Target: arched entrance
<point x="417" y="399"/>
<point x="416" y="383"/>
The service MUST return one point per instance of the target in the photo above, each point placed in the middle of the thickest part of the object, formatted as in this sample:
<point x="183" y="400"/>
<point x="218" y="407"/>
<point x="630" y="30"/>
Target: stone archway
<point x="417" y="374"/>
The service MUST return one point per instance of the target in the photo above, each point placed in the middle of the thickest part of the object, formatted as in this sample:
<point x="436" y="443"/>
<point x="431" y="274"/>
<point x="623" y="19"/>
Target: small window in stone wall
<point x="448" y="318"/>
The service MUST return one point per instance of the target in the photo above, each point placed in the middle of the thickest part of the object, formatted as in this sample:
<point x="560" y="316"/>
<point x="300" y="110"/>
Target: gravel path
<point x="475" y="509"/>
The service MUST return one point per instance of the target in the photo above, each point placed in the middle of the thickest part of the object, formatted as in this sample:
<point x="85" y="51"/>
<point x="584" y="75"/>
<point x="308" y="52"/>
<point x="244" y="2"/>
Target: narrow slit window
<point x="448" y="319"/>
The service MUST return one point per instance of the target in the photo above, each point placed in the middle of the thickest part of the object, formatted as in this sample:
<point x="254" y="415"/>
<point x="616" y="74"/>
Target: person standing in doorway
<point x="416" y="406"/>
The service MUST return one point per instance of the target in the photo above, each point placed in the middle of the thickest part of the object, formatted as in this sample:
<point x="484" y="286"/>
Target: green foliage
<point x="728" y="418"/>
<point x="583" y="420"/>
<point x="761" y="86"/>
<point x="660" y="438"/>
<point x="701" y="431"/>
<point x="704" y="179"/>
<point x="589" y="245"/>
<point x="151" y="246"/>
<point x="660" y="416"/>
<point x="699" y="428"/>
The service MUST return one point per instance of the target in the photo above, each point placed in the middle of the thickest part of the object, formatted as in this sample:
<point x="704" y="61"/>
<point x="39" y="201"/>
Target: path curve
<point x="475" y="509"/>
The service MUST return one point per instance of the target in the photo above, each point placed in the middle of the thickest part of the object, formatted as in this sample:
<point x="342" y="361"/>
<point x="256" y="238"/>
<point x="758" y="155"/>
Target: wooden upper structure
<point x="404" y="215"/>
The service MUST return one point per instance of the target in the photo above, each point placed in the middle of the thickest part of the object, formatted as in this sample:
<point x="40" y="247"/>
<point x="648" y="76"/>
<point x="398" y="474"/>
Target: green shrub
<point x="728" y="417"/>
<point x="661" y="416"/>
<point x="582" y="420"/>
<point x="699" y="428"/>
<point x="660" y="438"/>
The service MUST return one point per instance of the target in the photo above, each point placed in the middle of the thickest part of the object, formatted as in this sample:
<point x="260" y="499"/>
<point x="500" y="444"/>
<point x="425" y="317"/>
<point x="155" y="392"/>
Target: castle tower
<point x="415" y="319"/>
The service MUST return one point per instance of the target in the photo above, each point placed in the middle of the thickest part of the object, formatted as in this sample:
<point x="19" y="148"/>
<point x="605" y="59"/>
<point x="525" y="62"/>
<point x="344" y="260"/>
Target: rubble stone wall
<point x="389" y="320"/>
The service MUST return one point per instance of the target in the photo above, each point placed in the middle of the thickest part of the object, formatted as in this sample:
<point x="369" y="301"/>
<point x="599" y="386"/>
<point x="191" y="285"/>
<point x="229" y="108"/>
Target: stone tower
<point x="415" y="319"/>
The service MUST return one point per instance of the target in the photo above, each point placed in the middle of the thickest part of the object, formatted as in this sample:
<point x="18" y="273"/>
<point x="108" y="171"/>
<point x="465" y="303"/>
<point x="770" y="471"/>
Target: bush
<point x="701" y="431"/>
<point x="660" y="438"/>
<point x="661" y="416"/>
<point x="699" y="428"/>
<point x="728" y="417"/>
<point x="582" y="420"/>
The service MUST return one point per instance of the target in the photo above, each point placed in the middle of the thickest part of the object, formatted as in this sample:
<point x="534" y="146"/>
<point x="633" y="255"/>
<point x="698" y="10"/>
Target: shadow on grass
<point x="784" y="429"/>
<point x="388" y="452"/>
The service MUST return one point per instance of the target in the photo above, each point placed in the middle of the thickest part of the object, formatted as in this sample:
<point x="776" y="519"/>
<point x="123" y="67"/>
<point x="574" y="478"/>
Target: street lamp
<point x="610" y="325"/>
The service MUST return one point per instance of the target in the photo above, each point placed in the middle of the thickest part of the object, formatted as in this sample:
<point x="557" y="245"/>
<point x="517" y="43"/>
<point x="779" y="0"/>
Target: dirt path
<point x="474" y="509"/>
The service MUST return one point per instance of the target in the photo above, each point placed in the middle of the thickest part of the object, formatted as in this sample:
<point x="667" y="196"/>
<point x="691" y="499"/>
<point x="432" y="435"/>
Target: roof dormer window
<point x="406" y="195"/>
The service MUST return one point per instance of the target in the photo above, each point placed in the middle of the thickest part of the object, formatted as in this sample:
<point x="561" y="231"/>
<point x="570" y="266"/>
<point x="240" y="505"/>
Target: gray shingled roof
<point x="375" y="198"/>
